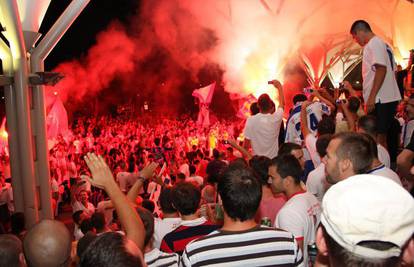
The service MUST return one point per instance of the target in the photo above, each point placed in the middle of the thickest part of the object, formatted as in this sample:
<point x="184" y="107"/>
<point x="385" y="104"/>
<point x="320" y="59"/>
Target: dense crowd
<point x="328" y="186"/>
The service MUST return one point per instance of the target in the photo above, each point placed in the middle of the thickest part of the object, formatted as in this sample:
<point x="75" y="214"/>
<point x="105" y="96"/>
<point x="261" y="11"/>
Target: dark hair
<point x="264" y="102"/>
<point x="76" y="216"/>
<point x="157" y="141"/>
<point x="368" y="124"/>
<point x="372" y="145"/>
<point x="360" y="25"/>
<point x="108" y="250"/>
<point x="186" y="198"/>
<point x="287" y="148"/>
<point x="353" y="104"/>
<point x="148" y="220"/>
<point x="98" y="221"/>
<point x="339" y="255"/>
<point x="165" y="201"/>
<point x="86" y="226"/>
<point x="326" y="125"/>
<point x="17" y="223"/>
<point x="260" y="166"/>
<point x="288" y="165"/>
<point x="84" y="242"/>
<point x="192" y="169"/>
<point x="254" y="108"/>
<point x="10" y="249"/>
<point x="240" y="193"/>
<point x="148" y="205"/>
<point x="181" y="176"/>
<point x="214" y="170"/>
<point x="356" y="148"/>
<point x="322" y="144"/>
<point x="299" y="98"/>
<point x="216" y="154"/>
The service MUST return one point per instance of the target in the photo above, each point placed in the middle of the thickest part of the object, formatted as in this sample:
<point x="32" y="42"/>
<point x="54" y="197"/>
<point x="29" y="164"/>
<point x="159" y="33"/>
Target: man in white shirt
<point x="316" y="182"/>
<point x="380" y="89"/>
<point x="300" y="214"/>
<point x="262" y="130"/>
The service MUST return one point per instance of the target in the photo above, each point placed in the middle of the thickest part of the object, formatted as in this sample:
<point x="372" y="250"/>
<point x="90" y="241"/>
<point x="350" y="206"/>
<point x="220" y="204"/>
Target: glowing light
<point x="55" y="93"/>
<point x="32" y="13"/>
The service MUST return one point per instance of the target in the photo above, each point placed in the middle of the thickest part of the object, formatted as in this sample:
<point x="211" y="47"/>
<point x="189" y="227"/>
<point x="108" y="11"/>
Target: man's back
<point x="263" y="131"/>
<point x="260" y="246"/>
<point x="176" y="240"/>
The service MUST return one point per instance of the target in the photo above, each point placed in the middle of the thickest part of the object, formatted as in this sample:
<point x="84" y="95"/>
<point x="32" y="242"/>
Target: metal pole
<point x="10" y="96"/>
<point x="39" y="114"/>
<point x="15" y="37"/>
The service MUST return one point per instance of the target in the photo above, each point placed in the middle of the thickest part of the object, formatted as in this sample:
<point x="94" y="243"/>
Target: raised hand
<point x="101" y="174"/>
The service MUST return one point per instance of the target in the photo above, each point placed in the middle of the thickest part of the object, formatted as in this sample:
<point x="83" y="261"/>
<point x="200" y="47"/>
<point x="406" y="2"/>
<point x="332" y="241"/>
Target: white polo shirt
<point x="378" y="52"/>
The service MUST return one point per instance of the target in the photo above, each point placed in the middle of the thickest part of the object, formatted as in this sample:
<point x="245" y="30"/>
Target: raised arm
<point x="242" y="150"/>
<point x="103" y="178"/>
<point x="144" y="174"/>
<point x="279" y="88"/>
<point x="304" y="119"/>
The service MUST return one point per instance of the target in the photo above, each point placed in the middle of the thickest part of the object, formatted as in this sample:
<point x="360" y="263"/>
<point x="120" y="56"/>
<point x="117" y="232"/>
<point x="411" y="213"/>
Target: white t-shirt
<point x="300" y="215"/>
<point x="163" y="227"/>
<point x="378" y="52"/>
<point x="263" y="132"/>
<point x="314" y="114"/>
<point x="195" y="179"/>
<point x="384" y="156"/>
<point x="316" y="182"/>
<point x="386" y="172"/>
<point x="89" y="209"/>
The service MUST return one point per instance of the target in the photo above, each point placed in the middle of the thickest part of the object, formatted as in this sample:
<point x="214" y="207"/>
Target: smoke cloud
<point x="172" y="46"/>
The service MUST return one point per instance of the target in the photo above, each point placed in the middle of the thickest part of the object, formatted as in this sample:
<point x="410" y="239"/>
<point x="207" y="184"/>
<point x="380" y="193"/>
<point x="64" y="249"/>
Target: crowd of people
<point x="332" y="185"/>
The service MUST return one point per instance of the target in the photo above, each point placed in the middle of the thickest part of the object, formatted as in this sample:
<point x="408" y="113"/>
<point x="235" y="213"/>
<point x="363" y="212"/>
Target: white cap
<point x="368" y="208"/>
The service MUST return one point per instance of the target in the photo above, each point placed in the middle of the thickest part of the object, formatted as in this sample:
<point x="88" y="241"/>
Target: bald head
<point x="47" y="244"/>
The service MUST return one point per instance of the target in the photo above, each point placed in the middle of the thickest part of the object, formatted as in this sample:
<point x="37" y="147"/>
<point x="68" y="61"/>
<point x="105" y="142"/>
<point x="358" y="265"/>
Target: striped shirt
<point x="176" y="240"/>
<point x="260" y="246"/>
<point x="156" y="258"/>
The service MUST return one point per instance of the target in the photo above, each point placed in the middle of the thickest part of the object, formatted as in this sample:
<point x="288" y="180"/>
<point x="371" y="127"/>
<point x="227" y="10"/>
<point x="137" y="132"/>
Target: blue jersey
<point x="314" y="114"/>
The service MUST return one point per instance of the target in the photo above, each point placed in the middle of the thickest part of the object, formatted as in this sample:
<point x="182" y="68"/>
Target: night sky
<point x="81" y="35"/>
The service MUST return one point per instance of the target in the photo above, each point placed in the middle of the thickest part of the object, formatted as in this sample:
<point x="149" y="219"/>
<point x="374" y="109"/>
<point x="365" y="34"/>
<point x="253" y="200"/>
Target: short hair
<point x="148" y="220"/>
<point x="368" y="123"/>
<point x="214" y="170"/>
<point x="165" y="201"/>
<point x="264" y="102"/>
<point x="288" y="165"/>
<point x="339" y="255"/>
<point x="254" y="108"/>
<point x="322" y="144"/>
<point x="373" y="145"/>
<point x="148" y="205"/>
<point x="326" y="125"/>
<point x="240" y="193"/>
<point x="353" y="104"/>
<point x="287" y="148"/>
<point x="356" y="148"/>
<point x="157" y="141"/>
<point x="260" y="167"/>
<point x="76" y="216"/>
<point x="86" y="226"/>
<point x="181" y="176"/>
<point x="299" y="98"/>
<point x="98" y="221"/>
<point x="10" y="250"/>
<point x="192" y="169"/>
<point x="108" y="250"/>
<point x="84" y="242"/>
<point x="186" y="198"/>
<point x="360" y="25"/>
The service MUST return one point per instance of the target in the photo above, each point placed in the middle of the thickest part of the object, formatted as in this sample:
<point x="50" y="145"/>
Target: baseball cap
<point x="368" y="208"/>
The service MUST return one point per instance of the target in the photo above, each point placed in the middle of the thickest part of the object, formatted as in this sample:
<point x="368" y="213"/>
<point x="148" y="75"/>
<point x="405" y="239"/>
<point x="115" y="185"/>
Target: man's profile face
<point x="275" y="180"/>
<point x="298" y="154"/>
<point x="332" y="162"/>
<point x="359" y="37"/>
